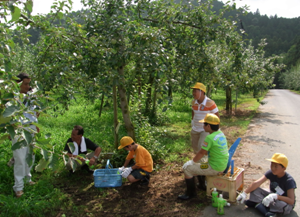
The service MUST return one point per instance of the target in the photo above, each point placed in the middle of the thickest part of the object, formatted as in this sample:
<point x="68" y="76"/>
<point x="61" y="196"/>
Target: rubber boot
<point x="201" y="183"/>
<point x="190" y="190"/>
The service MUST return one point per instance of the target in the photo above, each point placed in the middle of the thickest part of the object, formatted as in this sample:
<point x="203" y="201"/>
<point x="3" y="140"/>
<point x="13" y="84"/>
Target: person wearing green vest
<point x="215" y="146"/>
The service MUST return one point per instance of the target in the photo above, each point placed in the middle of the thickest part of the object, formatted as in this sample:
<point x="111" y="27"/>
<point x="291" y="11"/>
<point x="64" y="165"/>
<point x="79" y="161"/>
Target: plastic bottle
<point x="90" y="166"/>
<point x="215" y="198"/>
<point x="221" y="203"/>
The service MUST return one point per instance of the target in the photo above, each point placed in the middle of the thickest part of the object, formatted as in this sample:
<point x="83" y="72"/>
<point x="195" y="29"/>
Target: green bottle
<point x="221" y="203"/>
<point x="215" y="198"/>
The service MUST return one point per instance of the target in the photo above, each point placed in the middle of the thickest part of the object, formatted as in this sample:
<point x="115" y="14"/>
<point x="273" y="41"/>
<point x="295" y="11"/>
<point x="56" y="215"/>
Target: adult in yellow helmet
<point x="143" y="166"/>
<point x="201" y="105"/>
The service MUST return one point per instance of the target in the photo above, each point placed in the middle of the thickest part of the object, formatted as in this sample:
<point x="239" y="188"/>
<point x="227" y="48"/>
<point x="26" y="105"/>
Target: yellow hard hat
<point x="211" y="119"/>
<point x="280" y="159"/>
<point x="126" y="140"/>
<point x="199" y="86"/>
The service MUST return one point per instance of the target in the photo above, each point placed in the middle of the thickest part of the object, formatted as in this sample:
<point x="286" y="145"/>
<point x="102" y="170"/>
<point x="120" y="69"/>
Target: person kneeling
<point x="81" y="145"/>
<point x="143" y="161"/>
<point x="215" y="145"/>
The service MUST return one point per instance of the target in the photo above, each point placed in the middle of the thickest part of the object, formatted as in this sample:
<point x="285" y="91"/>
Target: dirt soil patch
<point x="159" y="198"/>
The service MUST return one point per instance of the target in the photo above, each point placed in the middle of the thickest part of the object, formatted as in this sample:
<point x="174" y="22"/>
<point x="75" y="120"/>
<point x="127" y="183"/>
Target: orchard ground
<point x="157" y="199"/>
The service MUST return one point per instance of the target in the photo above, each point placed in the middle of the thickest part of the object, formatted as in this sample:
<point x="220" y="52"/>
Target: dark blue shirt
<point x="286" y="182"/>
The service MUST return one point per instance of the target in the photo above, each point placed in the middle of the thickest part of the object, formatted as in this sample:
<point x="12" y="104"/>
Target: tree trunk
<point x="170" y="91"/>
<point x="101" y="106"/>
<point x="116" y="123"/>
<point x="228" y="101"/>
<point x="208" y="91"/>
<point x="236" y="98"/>
<point x="149" y="95"/>
<point x="124" y="105"/>
<point x="153" y="111"/>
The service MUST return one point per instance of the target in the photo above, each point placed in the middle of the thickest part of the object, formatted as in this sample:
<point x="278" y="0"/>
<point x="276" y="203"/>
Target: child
<point x="143" y="166"/>
<point x="281" y="199"/>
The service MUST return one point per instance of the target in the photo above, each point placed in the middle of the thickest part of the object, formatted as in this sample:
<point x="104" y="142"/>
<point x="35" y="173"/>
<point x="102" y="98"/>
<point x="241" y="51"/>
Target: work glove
<point x="270" y="198"/>
<point x="189" y="163"/>
<point x="204" y="159"/>
<point x="241" y="198"/>
<point x="126" y="172"/>
<point x="121" y="169"/>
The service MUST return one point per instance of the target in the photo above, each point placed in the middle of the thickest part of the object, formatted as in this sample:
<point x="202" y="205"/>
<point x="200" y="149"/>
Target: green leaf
<point x="78" y="161"/>
<point x="43" y="141"/>
<point x="9" y="111"/>
<point x="42" y="165"/>
<point x="29" y="5"/>
<point x="4" y="137"/>
<point x="39" y="85"/>
<point x="8" y="96"/>
<point x="16" y="13"/>
<point x="165" y="109"/>
<point x="73" y="165"/>
<point x="11" y="131"/>
<point x="27" y="136"/>
<point x="11" y="43"/>
<point x="65" y="158"/>
<point x="4" y="120"/>
<point x="71" y="146"/>
<point x="49" y="92"/>
<point x="45" y="154"/>
<point x="29" y="159"/>
<point x="60" y="15"/>
<point x="18" y="145"/>
<point x="53" y="162"/>
<point x="7" y="66"/>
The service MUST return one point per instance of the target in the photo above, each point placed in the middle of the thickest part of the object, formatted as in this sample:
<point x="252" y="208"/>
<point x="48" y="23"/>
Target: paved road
<point x="275" y="129"/>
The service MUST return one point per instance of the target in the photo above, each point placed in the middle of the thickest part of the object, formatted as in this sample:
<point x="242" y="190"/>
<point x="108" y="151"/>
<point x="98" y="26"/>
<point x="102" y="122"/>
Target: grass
<point x="170" y="141"/>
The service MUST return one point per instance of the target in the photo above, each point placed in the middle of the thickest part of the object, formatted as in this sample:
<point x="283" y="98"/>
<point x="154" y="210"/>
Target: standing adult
<point x="201" y="105"/>
<point x="21" y="168"/>
<point x="82" y="145"/>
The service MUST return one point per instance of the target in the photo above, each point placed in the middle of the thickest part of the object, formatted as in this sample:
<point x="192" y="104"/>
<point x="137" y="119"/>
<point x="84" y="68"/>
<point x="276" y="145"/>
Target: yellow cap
<point x="280" y="159"/>
<point x="211" y="119"/>
<point x="126" y="140"/>
<point x="199" y="86"/>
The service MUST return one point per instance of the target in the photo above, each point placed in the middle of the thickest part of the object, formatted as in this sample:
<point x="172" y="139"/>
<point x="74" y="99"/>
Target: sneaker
<point x="11" y="162"/>
<point x="19" y="193"/>
<point x="270" y="214"/>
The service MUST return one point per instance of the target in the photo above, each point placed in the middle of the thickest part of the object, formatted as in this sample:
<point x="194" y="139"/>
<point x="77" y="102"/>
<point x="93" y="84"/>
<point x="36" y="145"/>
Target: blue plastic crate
<point x="108" y="177"/>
